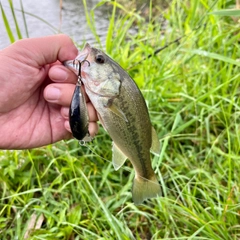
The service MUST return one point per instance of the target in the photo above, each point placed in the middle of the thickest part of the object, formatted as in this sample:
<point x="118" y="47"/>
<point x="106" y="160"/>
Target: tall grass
<point x="192" y="91"/>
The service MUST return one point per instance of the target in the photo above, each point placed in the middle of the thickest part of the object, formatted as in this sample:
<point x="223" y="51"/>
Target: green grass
<point x="192" y="91"/>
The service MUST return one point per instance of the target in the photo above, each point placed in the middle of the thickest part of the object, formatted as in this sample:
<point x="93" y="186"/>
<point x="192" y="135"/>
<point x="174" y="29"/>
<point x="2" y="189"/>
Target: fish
<point x="122" y="111"/>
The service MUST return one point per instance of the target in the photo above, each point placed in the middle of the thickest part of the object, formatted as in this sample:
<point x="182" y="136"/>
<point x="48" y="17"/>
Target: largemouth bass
<point x="123" y="113"/>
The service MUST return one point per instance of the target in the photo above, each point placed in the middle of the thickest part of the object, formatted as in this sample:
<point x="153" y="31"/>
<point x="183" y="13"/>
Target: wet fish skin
<point x="123" y="113"/>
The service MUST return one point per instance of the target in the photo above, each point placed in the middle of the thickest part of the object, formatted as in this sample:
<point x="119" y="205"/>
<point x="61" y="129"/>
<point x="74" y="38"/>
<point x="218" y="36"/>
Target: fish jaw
<point x="76" y="64"/>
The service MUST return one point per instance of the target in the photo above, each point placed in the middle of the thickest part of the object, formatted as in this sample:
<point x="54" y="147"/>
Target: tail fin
<point x="145" y="188"/>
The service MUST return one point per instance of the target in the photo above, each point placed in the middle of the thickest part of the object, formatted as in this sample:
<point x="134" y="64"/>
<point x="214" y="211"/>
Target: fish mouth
<point x="76" y="64"/>
<point x="83" y="54"/>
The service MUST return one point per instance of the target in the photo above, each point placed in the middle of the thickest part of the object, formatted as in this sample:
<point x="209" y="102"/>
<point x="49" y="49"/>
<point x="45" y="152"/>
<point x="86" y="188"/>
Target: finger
<point x="59" y="73"/>
<point x="93" y="128"/>
<point x="47" y="49"/>
<point x="61" y="93"/>
<point x="65" y="112"/>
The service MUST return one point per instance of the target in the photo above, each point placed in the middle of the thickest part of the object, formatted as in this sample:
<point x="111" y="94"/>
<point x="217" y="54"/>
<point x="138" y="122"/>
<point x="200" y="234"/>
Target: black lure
<point x="78" y="115"/>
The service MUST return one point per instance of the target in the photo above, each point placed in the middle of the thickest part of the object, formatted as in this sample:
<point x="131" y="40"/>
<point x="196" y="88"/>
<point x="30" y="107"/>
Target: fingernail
<point x="53" y="94"/>
<point x="60" y="75"/>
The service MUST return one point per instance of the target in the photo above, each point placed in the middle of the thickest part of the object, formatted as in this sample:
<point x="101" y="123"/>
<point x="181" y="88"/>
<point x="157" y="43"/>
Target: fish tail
<point x="145" y="188"/>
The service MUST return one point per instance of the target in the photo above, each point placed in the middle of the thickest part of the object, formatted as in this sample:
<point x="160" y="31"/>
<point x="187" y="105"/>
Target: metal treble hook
<point x="78" y="63"/>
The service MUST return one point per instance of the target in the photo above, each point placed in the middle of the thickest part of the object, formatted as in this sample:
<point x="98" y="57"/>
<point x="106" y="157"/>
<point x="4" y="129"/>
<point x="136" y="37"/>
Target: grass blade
<point x="7" y="26"/>
<point x="90" y="21"/>
<point x="111" y="221"/>
<point x="15" y="19"/>
<point x="227" y="12"/>
<point x="110" y="29"/>
<point x="216" y="56"/>
<point x="24" y="19"/>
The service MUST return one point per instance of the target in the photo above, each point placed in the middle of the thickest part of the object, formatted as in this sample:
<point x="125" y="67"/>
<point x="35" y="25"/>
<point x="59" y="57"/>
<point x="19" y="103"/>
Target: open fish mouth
<point x="75" y="65"/>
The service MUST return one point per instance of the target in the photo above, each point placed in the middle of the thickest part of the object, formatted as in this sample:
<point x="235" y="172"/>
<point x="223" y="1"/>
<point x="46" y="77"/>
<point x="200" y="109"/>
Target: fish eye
<point x="100" y="58"/>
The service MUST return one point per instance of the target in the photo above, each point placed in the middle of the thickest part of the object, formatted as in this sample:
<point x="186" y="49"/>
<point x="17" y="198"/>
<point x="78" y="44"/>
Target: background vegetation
<point x="68" y="191"/>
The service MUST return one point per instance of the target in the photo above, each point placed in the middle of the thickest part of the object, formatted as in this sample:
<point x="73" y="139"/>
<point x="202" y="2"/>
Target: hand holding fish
<point x="36" y="91"/>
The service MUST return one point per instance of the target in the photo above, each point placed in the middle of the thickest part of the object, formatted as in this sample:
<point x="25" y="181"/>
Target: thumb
<point x="44" y="50"/>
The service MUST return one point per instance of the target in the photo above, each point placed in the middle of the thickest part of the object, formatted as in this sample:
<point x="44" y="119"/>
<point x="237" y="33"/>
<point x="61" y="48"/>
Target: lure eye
<point x="100" y="59"/>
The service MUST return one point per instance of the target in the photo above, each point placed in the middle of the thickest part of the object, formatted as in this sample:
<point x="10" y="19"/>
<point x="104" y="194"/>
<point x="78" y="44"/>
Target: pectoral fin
<point x="155" y="148"/>
<point x="112" y="107"/>
<point x="118" y="158"/>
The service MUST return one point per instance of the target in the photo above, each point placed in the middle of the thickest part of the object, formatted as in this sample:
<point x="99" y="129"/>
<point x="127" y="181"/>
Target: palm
<point x="40" y="124"/>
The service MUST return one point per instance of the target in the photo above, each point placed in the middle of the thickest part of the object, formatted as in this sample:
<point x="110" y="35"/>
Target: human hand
<point x="36" y="91"/>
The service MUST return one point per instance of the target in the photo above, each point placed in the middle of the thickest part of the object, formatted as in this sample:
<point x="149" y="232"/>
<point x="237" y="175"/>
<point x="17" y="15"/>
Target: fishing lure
<point x="78" y="115"/>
